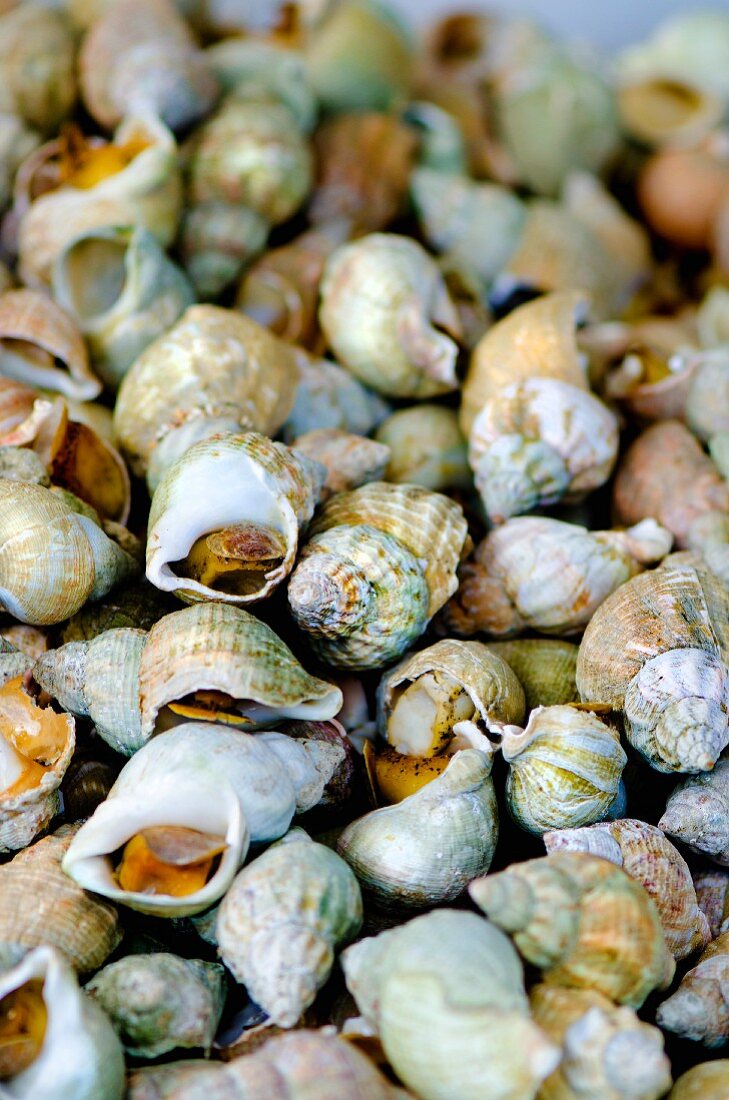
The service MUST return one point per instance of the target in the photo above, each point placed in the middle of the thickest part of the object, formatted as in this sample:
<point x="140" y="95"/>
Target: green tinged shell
<point x="545" y="667"/>
<point x="426" y="448"/>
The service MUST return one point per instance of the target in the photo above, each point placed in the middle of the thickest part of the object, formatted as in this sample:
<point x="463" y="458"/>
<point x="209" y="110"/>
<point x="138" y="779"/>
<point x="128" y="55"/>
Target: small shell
<point x="697" y="813"/>
<point x="564" y="769"/>
<point x="82" y="563"/>
<point x="41" y="344"/>
<point x="656" y="650"/>
<point x="427" y="848"/>
<point x="607" y="1052"/>
<point x="281" y="920"/>
<point x="364" y="164"/>
<point x="39" y="904"/>
<point x="329" y="397"/>
<point x="217" y="240"/>
<point x="659" y="111"/>
<point x="124" y="292"/>
<point x="712" y="895"/>
<point x="17" y="142"/>
<point x="699" y="1009"/>
<point x="350" y="460"/>
<point x="258" y="66"/>
<point x="708" y="1081"/>
<point x="139" y="57"/>
<point x="426" y="448"/>
<point x="85" y="786"/>
<point x="539" y="441"/>
<point x="240" y="540"/>
<point x="545" y="575"/>
<point x="681" y="193"/>
<point x="545" y="667"/>
<point x="445" y="993"/>
<point x="535" y="340"/>
<point x="13" y="662"/>
<point x="36" y="746"/>
<point x="140" y="187"/>
<point x="161" y="1002"/>
<point x="393" y="344"/>
<point x="231" y="786"/>
<point x="78" y="1053"/>
<point x="642" y="487"/>
<point x="138" y="605"/>
<point x="37" y="66"/>
<point x="646" y="855"/>
<point x="213" y="367"/>
<point x="583" y="922"/>
<point x="447" y="683"/>
<point x="707" y="402"/>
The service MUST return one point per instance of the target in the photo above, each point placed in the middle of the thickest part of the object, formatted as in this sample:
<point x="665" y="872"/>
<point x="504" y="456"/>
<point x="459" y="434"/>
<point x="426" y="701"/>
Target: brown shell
<point x="666" y="474"/>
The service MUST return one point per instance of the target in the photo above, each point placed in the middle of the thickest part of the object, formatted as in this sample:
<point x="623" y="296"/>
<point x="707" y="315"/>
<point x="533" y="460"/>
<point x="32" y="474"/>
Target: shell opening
<point x="425" y="712"/>
<point x="217" y="706"/>
<point x="23" y="1022"/>
<point x="234" y="560"/>
<point x="32" y="740"/>
<point x="170" y="860"/>
<point x="83" y="165"/>
<point x="104" y="258"/>
<point x="661" y="108"/>
<point x="398" y="775"/>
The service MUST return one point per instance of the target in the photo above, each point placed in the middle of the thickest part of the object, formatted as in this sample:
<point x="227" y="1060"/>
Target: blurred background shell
<point x="37" y="66"/>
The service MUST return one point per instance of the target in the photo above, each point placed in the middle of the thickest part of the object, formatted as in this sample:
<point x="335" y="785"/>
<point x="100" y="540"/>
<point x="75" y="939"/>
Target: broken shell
<point x="539" y="573"/>
<point x="646" y="855"/>
<point x="224" y="788"/>
<point x="38" y="340"/>
<point x="124" y="292"/>
<point x="364" y="162"/>
<point x="644" y="487"/>
<point x="426" y="448"/>
<point x="329" y="397"/>
<point x="81" y="562"/>
<point x="697" y="813"/>
<point x="214" y="370"/>
<point x="394" y="345"/>
<point x="136" y="183"/>
<point x="161" y="1002"/>
<point x="445" y="992"/>
<point x="37" y="66"/>
<point x="539" y="441"/>
<point x="708" y="1081"/>
<point x="607" y="1052"/>
<point x="534" y="340"/>
<point x="564" y="769"/>
<point x="241" y="540"/>
<point x="656" y="650"/>
<point x="545" y="667"/>
<point x="699" y="1009"/>
<point x="36" y="746"/>
<point x="140" y="58"/>
<point x="712" y="894"/>
<point x="423" y="699"/>
<point x="57" y="1042"/>
<point x="281" y="920"/>
<point x="350" y="460"/>
<point x="584" y="922"/>
<point x="427" y="848"/>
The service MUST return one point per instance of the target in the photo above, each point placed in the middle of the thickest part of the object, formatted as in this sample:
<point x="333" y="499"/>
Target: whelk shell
<point x="699" y="1009"/>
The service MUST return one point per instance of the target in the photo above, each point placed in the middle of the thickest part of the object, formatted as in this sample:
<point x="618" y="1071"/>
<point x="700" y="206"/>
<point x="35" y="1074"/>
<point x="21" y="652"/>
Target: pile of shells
<point x="364" y="556"/>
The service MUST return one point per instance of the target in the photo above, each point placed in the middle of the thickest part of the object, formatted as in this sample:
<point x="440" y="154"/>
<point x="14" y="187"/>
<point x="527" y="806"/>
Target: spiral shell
<point x="712" y="895"/>
<point x="37" y="70"/>
<point x="697" y="813"/>
<point x="656" y="650"/>
<point x="281" y="920"/>
<point x="584" y="922"/>
<point x="699" y="1009"/>
<point x="646" y="855"/>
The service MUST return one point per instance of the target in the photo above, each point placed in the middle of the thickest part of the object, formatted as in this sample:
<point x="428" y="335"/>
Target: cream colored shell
<point x="699" y="1008"/>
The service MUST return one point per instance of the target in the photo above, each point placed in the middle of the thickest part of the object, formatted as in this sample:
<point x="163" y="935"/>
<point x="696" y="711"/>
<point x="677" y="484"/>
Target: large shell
<point x="540" y="441"/>
<point x="707" y="1081"/>
<point x="426" y="448"/>
<point x="666" y="474"/>
<point x="281" y="920"/>
<point x="139" y="57"/>
<point x="124" y="292"/>
<point x="607" y="1052"/>
<point x="258" y="493"/>
<point x="145" y="191"/>
<point x="329" y="397"/>
<point x="41" y="344"/>
<point x="697" y="813"/>
<point x="39" y="904"/>
<point x="427" y="848"/>
<point x="81" y="562"/>
<point x="647" y="856"/>
<point x="80" y="1055"/>
<point x="545" y="667"/>
<point x="445" y="992"/>
<point x="37" y="71"/>
<point x="584" y="922"/>
<point x="227" y="784"/>
<point x="161" y="1002"/>
<point x="546" y="575"/>
<point x="214" y="369"/>
<point x="564" y="769"/>
<point x="495" y="694"/>
<point x="699" y="1009"/>
<point x="36" y="746"/>
<point x="657" y="651"/>
<point x="382" y="297"/>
